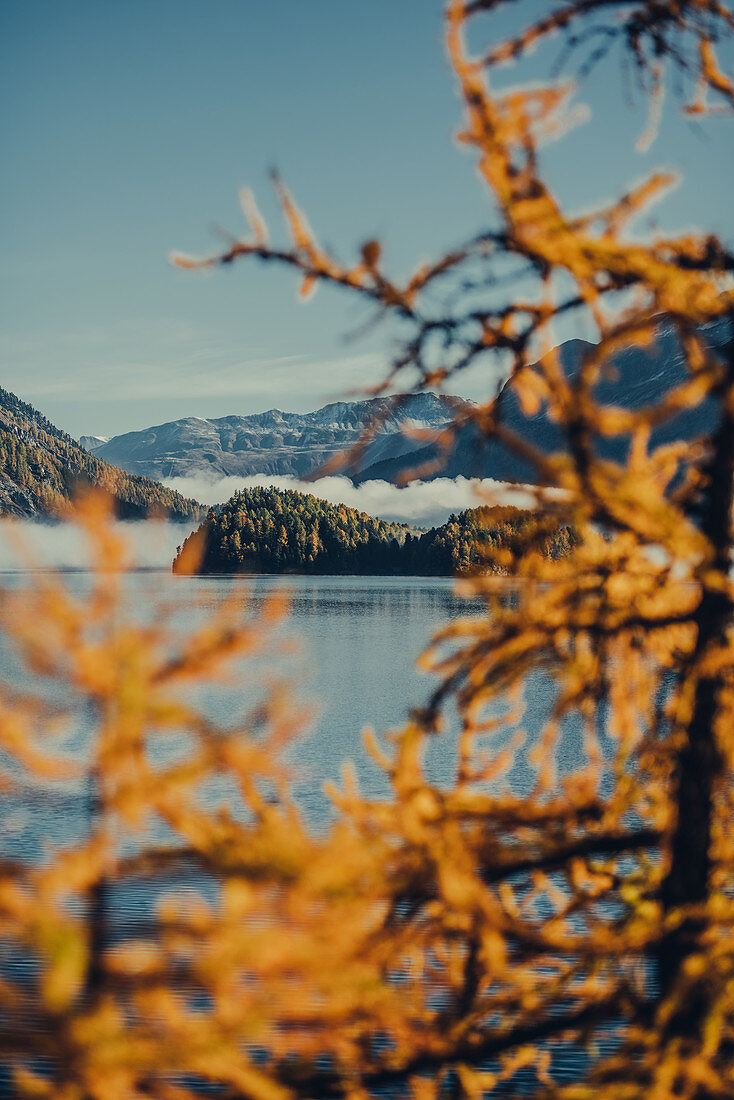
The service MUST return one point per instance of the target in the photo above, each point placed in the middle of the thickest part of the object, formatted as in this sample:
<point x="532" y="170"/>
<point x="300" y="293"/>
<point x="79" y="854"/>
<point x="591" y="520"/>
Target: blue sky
<point x="128" y="128"/>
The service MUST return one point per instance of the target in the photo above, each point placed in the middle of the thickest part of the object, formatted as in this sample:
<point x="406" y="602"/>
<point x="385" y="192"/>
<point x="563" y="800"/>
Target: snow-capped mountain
<point x="92" y="443"/>
<point x="276" y="442"/>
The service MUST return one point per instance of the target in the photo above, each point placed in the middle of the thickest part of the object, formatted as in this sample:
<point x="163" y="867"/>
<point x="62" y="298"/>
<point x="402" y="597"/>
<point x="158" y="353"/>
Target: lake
<point x="358" y="640"/>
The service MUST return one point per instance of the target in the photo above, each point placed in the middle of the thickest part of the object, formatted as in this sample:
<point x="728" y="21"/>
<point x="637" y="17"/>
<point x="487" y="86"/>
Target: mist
<point x="423" y="503"/>
<point x="32" y="544"/>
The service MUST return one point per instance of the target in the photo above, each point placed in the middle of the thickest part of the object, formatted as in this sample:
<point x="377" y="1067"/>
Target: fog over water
<point x="423" y="503"/>
<point x="31" y="544"/>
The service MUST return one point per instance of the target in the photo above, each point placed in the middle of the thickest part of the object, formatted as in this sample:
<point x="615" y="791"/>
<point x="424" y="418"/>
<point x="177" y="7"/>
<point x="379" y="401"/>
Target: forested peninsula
<point x="283" y="531"/>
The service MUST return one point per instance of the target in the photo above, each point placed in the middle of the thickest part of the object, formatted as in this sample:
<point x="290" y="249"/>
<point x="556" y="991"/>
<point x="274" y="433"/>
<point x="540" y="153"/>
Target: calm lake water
<point x="358" y="640"/>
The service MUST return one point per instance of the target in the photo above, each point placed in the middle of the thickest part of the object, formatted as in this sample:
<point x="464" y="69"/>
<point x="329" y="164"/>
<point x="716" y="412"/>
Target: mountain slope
<point x="40" y="466"/>
<point x="633" y="379"/>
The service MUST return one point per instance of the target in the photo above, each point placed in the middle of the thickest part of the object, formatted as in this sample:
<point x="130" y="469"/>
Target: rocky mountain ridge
<point x="274" y="442"/>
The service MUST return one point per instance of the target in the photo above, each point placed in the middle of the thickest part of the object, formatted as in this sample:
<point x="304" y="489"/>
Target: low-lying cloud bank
<point x="29" y="544"/>
<point x="32" y="544"/>
<point x="424" y="503"/>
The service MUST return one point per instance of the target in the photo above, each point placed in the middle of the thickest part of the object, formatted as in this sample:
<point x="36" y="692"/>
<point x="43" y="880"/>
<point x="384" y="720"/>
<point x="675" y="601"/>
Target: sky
<point x="127" y="129"/>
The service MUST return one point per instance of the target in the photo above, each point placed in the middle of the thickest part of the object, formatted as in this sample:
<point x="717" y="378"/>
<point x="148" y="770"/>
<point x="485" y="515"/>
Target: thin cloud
<point x="287" y="381"/>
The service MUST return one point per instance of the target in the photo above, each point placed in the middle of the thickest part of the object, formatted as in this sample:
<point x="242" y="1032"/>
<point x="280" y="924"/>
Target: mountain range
<point x="277" y="443"/>
<point x="40" y="465"/>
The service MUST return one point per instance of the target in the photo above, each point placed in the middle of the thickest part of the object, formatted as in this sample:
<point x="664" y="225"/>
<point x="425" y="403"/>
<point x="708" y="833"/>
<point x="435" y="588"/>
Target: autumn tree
<point x="457" y="941"/>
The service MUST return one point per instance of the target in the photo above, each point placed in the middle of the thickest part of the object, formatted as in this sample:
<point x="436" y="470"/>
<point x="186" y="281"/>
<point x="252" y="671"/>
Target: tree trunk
<point x="699" y="762"/>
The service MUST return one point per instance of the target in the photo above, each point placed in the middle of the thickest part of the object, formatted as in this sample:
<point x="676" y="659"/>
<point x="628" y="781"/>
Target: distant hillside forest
<point x="284" y="531"/>
<point x="40" y="466"/>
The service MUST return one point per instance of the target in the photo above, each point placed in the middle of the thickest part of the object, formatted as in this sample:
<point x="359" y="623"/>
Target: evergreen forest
<point x="41" y="466"/>
<point x="283" y="531"/>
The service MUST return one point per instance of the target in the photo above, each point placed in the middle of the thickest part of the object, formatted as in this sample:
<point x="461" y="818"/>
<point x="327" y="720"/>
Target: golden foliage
<point x="445" y="941"/>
